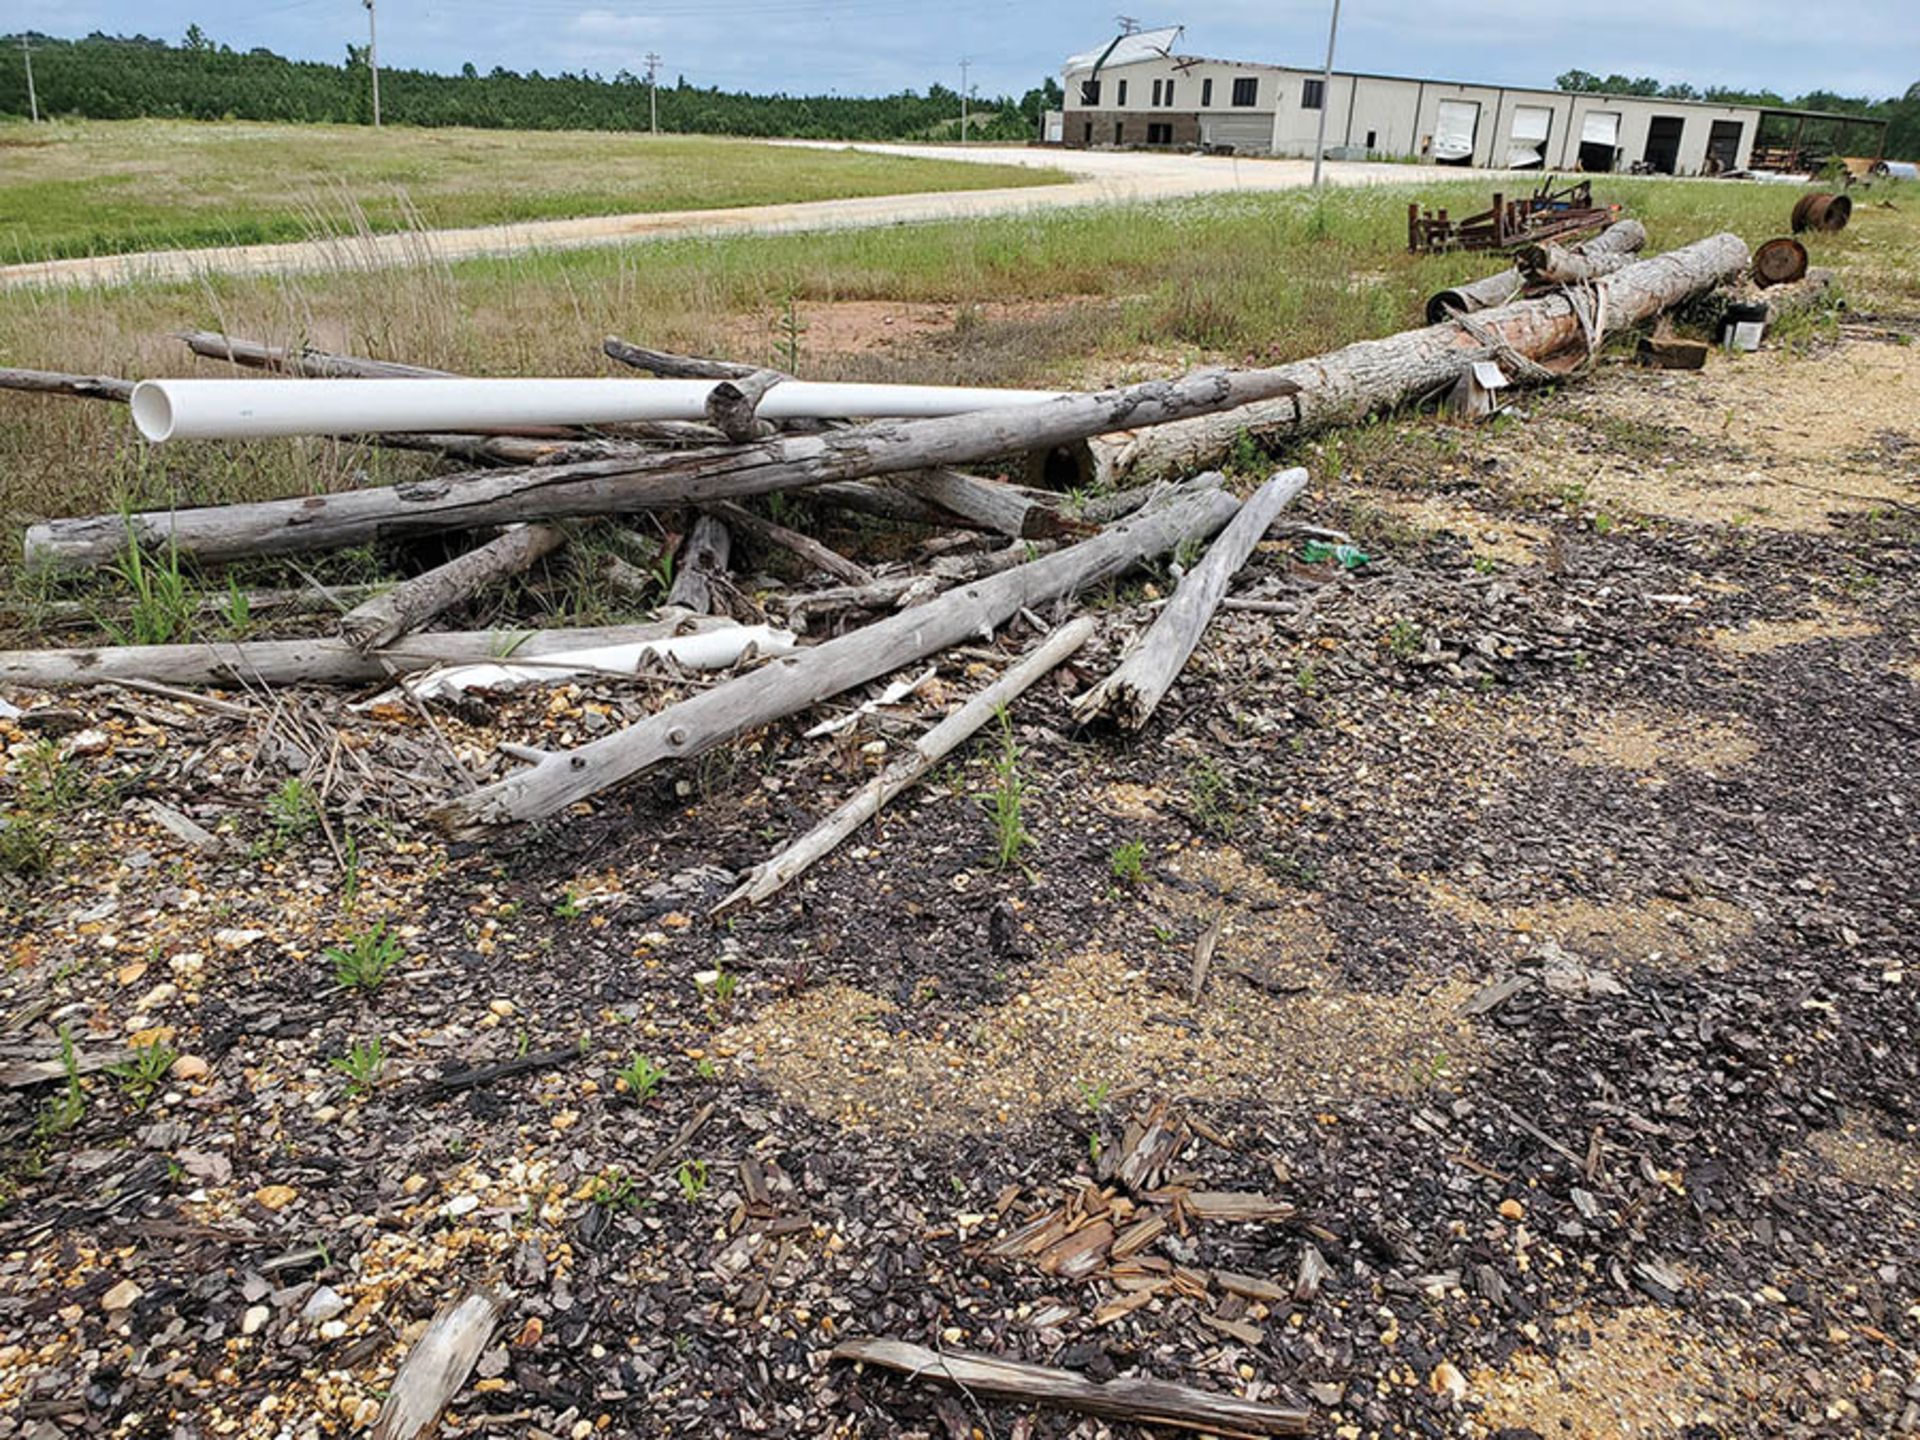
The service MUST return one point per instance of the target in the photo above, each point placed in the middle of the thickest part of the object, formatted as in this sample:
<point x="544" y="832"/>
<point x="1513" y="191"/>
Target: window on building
<point x="1206" y="92"/>
<point x="1120" y="94"/>
<point x="1313" y="94"/>
<point x="1169" y="94"/>
<point x="1246" y="90"/>
<point x="1119" y="133"/>
<point x="1161" y="134"/>
<point x="1371" y="141"/>
<point x="1089" y="92"/>
<point x="1087" y="137"/>
<point x="1156" y="92"/>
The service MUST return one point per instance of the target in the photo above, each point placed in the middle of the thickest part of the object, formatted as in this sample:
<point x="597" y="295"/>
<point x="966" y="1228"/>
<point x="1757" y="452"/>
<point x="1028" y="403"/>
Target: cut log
<point x="323" y="660"/>
<point x="289" y="360"/>
<point x="438" y="1365"/>
<point x="928" y="751"/>
<point x="793" y="682"/>
<point x="1808" y="296"/>
<point x="1550" y="264"/>
<point x="732" y="405"/>
<point x="600" y="487"/>
<point x="1131" y="694"/>
<point x="1623" y="237"/>
<point x="805" y="546"/>
<point x="1134" y="1401"/>
<point x="994" y="505"/>
<point x="1347" y="385"/>
<point x="52" y="382"/>
<point x="403" y="609"/>
<point x="700" y="576"/>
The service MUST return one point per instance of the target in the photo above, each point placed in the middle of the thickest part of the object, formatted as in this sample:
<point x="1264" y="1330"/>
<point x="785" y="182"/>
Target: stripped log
<point x="53" y="382"/>
<point x="220" y="608"/>
<point x="1134" y="1401"/>
<point x="1623" y="237"/>
<point x="793" y="682"/>
<point x="412" y="603"/>
<point x="1347" y="385"/>
<point x="321" y="660"/>
<point x="601" y="487"/>
<point x="805" y="546"/>
<point x="669" y="366"/>
<point x="700" y="576"/>
<point x="928" y="751"/>
<point x="1131" y="694"/>
<point x="994" y="505"/>
<point x="301" y="360"/>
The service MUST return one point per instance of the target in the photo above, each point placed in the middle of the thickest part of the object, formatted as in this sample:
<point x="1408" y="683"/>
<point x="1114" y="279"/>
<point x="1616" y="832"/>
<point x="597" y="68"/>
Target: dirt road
<point x="1099" y="178"/>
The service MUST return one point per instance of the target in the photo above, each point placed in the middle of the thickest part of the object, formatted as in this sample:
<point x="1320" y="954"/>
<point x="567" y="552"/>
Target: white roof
<point x="1128" y="50"/>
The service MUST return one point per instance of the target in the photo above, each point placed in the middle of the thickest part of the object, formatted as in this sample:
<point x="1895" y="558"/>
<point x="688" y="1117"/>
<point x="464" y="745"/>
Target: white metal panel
<point x="1531" y="126"/>
<point x="1453" y="129"/>
<point x="1143" y="45"/>
<point x="1600" y="127"/>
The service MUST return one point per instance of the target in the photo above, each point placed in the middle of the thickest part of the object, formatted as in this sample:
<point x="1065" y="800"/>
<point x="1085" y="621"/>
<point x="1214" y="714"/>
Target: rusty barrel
<point x="1821" y="212"/>
<point x="1779" y="262"/>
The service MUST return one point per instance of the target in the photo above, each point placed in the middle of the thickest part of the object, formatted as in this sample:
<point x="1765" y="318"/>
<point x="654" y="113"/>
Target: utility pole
<point x="33" y="100"/>
<point x="373" y="60"/>
<point x="1326" y="96"/>
<point x="964" y="63"/>
<point x="1128" y="25"/>
<point x="653" y="92"/>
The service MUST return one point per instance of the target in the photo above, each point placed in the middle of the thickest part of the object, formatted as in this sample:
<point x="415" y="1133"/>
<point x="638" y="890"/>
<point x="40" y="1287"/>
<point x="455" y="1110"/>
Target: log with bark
<point x="1135" y="1401"/>
<point x="217" y="609"/>
<point x="385" y="617"/>
<point x="1623" y="237"/>
<point x="52" y="382"/>
<point x="1372" y="376"/>
<point x="928" y="751"/>
<point x="322" y="660"/>
<point x="1131" y="694"/>
<point x="601" y="487"/>
<point x="1551" y="264"/>
<point x="794" y="682"/>
<point x="669" y="366"/>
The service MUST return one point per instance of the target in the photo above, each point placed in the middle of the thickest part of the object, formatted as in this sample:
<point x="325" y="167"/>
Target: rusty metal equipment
<point x="1822" y="212"/>
<point x="1779" y="262"/>
<point x="1544" y="215"/>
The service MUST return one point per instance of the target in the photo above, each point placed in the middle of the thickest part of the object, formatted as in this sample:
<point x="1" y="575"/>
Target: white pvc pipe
<point x="257" y="409"/>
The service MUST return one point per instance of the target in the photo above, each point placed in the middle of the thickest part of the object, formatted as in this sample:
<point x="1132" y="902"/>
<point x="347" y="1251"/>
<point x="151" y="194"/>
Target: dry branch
<point x="289" y="360"/>
<point x="52" y="382"/>
<point x="928" y="751"/>
<point x="700" y="577"/>
<point x="410" y="604"/>
<point x="438" y="1365"/>
<point x="993" y="505"/>
<point x="805" y="546"/>
<point x="600" y="487"/>
<point x="669" y="366"/>
<point x="732" y="405"/>
<point x="1376" y="375"/>
<point x="1131" y="694"/>
<point x="322" y="660"/>
<point x="1138" y="1402"/>
<point x="793" y="682"/>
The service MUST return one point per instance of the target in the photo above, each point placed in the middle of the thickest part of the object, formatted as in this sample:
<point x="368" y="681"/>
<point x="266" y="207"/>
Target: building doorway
<point x="1663" y="143"/>
<point x="1599" y="140"/>
<point x="1723" y="146"/>
<point x="1527" y="146"/>
<point x="1159" y="134"/>
<point x="1453" y="132"/>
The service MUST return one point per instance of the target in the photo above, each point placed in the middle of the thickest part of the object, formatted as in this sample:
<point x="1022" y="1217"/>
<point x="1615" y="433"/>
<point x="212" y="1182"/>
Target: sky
<point x="877" y="46"/>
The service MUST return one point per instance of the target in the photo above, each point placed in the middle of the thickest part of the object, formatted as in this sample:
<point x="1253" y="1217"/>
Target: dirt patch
<point x="1634" y="1375"/>
<point x="1490" y="537"/>
<point x="1274" y="1014"/>
<point x="1134" y="802"/>
<point x="1651" y="740"/>
<point x="1861" y="1154"/>
<point x="860" y="327"/>
<point x="1763" y="637"/>
<point x="1665" y="934"/>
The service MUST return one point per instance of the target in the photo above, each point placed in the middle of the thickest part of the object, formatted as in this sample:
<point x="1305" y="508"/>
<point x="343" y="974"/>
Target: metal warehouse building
<point x="1140" y="90"/>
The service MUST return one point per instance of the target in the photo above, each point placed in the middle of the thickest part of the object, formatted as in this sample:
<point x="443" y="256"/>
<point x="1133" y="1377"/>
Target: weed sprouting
<point x="692" y="1176"/>
<point x="69" y="1107"/>
<point x="1004" y="803"/>
<point x="1214" y="799"/>
<point x="1406" y="639"/>
<point x="1129" y="862"/>
<point x="143" y="1075"/>
<point x="641" y="1077"/>
<point x="615" y="1190"/>
<point x="365" y="960"/>
<point x="161" y="606"/>
<point x="362" y="1065"/>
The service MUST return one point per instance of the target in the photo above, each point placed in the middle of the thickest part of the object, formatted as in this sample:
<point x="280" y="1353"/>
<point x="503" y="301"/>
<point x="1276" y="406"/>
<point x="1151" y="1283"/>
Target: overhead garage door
<point x="1453" y="130"/>
<point x="1526" y="150"/>
<point x="1600" y="128"/>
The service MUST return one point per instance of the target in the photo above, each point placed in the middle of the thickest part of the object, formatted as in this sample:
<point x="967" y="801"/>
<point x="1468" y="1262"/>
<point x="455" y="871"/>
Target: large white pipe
<point x="258" y="409"/>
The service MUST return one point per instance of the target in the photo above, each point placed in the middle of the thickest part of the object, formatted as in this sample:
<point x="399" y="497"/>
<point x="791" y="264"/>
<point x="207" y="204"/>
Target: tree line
<point x="117" y="77"/>
<point x="1901" y="112"/>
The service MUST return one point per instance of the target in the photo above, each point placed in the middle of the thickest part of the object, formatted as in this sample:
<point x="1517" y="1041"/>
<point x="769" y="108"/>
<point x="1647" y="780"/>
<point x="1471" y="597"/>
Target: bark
<point x="1551" y="264"/>
<point x="601" y="487"/>
<point x="1623" y="237"/>
<point x="805" y="546"/>
<point x="1804" y="296"/>
<point x="52" y="382"/>
<point x="928" y="751"/>
<point x="1134" y="1401"/>
<point x="1131" y="694"/>
<point x="994" y="505"/>
<point x="793" y="682"/>
<point x="322" y="660"/>
<point x="380" y="621"/>
<point x="1347" y="385"/>
<point x="732" y="405"/>
<point x="700" y="577"/>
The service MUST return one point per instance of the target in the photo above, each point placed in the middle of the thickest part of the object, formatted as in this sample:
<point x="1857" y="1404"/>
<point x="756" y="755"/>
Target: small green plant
<point x="1307" y="679"/>
<point x="725" y="985"/>
<point x="1292" y="870"/>
<point x="692" y="1176"/>
<point x="1602" y="523"/>
<point x="1095" y="1096"/>
<point x="365" y="960"/>
<point x="293" y="811"/>
<point x="616" y="1190"/>
<point x="1425" y="1072"/>
<point x="236" y="615"/>
<point x="1247" y="457"/>
<point x="707" y="1071"/>
<point x="1004" y="802"/>
<point x="1214" y="798"/>
<point x="1405" y="639"/>
<point x="788" y="327"/>
<point x="1485" y="565"/>
<point x="143" y="1075"/>
<point x="362" y="1065"/>
<point x="69" y="1107"/>
<point x="567" y="907"/>
<point x="641" y="1077"/>
<point x="26" y="845"/>
<point x="1093" y="1147"/>
<point x="1129" y="862"/>
<point x="161" y="608"/>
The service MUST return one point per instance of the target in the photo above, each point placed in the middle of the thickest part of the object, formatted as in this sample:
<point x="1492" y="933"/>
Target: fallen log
<point x="1371" y="376"/>
<point x="1623" y="237"/>
<point x="997" y="506"/>
<point x="1550" y="264"/>
<point x="669" y="366"/>
<point x="321" y="660"/>
<point x="701" y="573"/>
<point x="301" y="360"/>
<point x="412" y="603"/>
<point x="601" y="487"/>
<point x="1131" y="694"/>
<point x="805" y="546"/>
<point x="52" y="382"/>
<point x="218" y="608"/>
<point x="928" y="751"/>
<point x="793" y="682"/>
<point x="1135" y="1401"/>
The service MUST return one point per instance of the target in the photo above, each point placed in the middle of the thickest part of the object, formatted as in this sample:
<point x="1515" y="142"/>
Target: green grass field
<point x="1082" y="296"/>
<point x="99" y="187"/>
